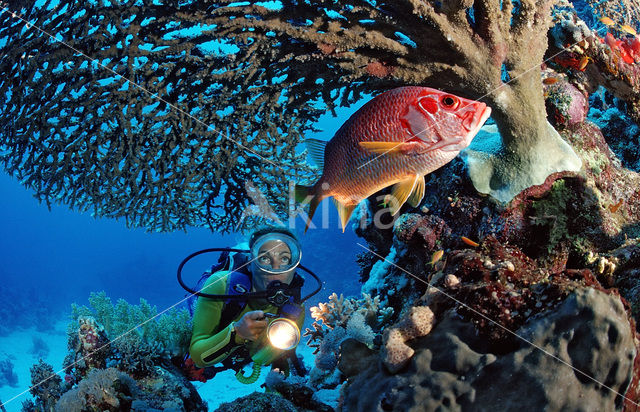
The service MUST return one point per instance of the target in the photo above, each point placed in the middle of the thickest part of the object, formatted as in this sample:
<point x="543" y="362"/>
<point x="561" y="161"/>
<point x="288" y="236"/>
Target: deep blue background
<point x="57" y="257"/>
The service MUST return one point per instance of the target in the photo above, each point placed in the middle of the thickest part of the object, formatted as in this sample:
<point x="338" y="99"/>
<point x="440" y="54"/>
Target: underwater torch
<point x="282" y="335"/>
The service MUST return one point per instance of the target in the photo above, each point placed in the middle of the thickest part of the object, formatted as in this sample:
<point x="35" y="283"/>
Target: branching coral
<point x="173" y="150"/>
<point x="75" y="132"/>
<point x="338" y="311"/>
<point x="136" y="357"/>
<point x="361" y="320"/>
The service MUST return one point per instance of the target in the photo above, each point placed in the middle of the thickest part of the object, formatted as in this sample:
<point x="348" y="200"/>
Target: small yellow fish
<point x="583" y="63"/>
<point x="606" y="21"/>
<point x="628" y="29"/>
<point x="437" y="255"/>
<point x="469" y="241"/>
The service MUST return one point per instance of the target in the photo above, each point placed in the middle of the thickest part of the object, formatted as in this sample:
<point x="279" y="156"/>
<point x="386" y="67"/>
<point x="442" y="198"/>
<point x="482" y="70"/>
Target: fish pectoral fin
<point x="418" y="193"/>
<point x="382" y="147"/>
<point x="344" y="211"/>
<point x="315" y="149"/>
<point x="401" y="191"/>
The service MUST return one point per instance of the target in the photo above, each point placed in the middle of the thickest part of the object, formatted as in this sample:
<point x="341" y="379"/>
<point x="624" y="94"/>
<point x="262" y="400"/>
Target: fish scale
<point x="370" y="152"/>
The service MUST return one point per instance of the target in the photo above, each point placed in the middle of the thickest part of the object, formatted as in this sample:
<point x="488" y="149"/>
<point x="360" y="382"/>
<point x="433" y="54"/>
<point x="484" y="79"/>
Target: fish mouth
<point x="474" y="120"/>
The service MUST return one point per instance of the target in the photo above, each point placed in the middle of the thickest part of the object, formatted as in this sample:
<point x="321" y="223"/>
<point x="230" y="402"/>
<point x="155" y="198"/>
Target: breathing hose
<point x="251" y="378"/>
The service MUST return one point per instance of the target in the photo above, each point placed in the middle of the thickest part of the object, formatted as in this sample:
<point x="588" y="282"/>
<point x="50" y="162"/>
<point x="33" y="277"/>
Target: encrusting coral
<point x="396" y="353"/>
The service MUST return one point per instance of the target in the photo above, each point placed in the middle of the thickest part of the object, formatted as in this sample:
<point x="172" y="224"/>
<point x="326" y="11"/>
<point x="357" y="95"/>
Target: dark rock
<point x="588" y="336"/>
<point x="259" y="402"/>
<point x="355" y="357"/>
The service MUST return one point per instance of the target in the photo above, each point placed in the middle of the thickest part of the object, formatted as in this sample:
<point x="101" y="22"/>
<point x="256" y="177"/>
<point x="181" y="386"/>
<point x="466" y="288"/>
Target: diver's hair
<point x="270" y="229"/>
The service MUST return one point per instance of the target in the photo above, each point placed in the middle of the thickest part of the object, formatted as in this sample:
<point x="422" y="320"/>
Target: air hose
<point x="251" y="378"/>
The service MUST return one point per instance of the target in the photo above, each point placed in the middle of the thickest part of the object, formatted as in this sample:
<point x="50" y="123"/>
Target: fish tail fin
<point x="308" y="194"/>
<point x="344" y="211"/>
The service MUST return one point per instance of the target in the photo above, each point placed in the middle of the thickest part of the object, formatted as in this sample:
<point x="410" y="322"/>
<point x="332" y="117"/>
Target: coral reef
<point x="544" y="267"/>
<point x="608" y="59"/>
<point x="118" y="367"/>
<point x="228" y="95"/>
<point x="259" y="402"/>
<point x="344" y="325"/>
<point x="102" y="389"/>
<point x="295" y="390"/>
<point x="452" y="369"/>
<point x="170" y="331"/>
<point x="7" y="374"/>
<point x="358" y="319"/>
<point x="46" y="387"/>
<point x="88" y="347"/>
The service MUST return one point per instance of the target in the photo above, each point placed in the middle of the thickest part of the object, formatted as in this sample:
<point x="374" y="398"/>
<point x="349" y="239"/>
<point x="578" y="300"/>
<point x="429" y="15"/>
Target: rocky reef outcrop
<point x="580" y="354"/>
<point x="529" y="304"/>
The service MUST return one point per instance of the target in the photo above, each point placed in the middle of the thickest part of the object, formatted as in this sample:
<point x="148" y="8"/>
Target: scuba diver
<point x="248" y="303"/>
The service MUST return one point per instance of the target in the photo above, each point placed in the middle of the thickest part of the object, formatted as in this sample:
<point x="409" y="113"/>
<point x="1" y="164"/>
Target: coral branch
<point x="240" y="84"/>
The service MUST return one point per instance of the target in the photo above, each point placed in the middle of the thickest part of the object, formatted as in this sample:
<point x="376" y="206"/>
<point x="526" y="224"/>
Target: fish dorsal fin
<point x="417" y="194"/>
<point x="316" y="147"/>
<point x="344" y="212"/>
<point x="400" y="193"/>
<point x="382" y="147"/>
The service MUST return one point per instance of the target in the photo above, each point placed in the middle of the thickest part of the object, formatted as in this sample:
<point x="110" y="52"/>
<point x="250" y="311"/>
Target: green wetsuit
<point x="211" y="342"/>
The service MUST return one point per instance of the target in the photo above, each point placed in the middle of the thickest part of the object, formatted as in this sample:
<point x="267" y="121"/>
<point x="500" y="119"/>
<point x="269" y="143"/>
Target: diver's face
<point x="274" y="254"/>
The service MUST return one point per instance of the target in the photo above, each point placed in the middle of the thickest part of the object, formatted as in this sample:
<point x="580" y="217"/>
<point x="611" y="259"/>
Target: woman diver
<point x="238" y="301"/>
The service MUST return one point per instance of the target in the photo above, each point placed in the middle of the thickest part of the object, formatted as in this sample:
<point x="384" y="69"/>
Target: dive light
<point x="282" y="335"/>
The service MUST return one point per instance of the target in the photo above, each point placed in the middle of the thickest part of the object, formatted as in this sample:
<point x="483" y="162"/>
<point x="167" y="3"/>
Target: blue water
<point x="51" y="259"/>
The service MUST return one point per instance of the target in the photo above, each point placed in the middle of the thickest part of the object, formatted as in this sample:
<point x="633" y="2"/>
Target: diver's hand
<point x="251" y="325"/>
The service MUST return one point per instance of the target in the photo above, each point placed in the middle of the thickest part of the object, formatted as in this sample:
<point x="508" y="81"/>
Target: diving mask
<point x="275" y="253"/>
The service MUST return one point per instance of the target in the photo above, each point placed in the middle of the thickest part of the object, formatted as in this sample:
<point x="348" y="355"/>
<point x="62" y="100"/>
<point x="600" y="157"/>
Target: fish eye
<point x="450" y="102"/>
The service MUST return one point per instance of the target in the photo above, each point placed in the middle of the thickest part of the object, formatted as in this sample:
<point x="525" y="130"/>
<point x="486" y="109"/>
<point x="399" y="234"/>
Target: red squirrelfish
<point x="395" y="139"/>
